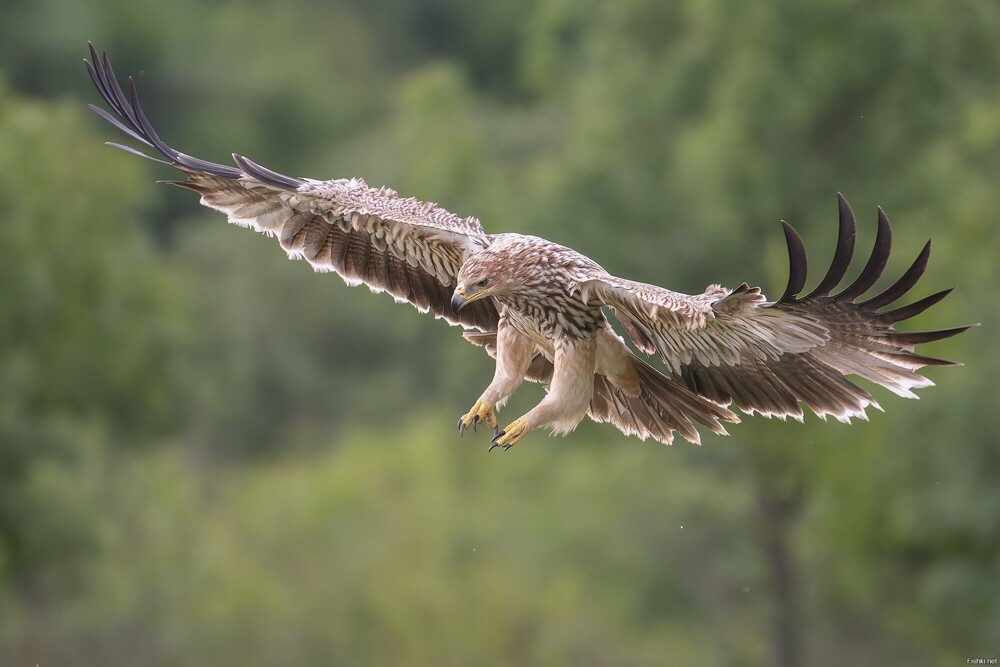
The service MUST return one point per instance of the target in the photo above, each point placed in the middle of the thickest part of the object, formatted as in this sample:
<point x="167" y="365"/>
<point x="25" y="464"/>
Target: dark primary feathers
<point x="723" y="347"/>
<point x="772" y="357"/>
<point x="411" y="249"/>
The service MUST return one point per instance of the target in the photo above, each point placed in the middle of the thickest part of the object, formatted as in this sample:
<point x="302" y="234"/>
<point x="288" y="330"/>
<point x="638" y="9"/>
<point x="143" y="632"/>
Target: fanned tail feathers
<point x="662" y="406"/>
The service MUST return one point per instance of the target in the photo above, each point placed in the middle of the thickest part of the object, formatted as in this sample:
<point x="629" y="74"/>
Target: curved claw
<point x="497" y="434"/>
<point x="481" y="413"/>
<point x="511" y="435"/>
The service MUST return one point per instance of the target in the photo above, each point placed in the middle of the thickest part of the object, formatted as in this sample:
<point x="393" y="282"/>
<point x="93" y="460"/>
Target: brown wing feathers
<point x="352" y="243"/>
<point x="862" y="339"/>
<point x="727" y="347"/>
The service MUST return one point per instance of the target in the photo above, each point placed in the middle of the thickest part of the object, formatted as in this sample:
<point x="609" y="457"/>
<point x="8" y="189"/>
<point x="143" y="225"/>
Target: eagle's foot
<point x="481" y="412"/>
<point x="511" y="435"/>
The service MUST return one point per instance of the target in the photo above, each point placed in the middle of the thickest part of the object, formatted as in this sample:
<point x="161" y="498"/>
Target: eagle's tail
<point x="662" y="407"/>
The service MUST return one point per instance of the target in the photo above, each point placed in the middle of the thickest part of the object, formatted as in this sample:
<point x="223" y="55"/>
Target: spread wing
<point x="410" y="249"/>
<point x="732" y="346"/>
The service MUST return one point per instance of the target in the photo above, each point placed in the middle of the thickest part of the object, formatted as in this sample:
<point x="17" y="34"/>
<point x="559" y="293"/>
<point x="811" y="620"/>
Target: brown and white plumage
<point x="540" y="308"/>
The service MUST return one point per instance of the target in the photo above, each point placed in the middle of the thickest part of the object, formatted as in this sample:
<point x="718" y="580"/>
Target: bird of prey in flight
<point x="541" y="309"/>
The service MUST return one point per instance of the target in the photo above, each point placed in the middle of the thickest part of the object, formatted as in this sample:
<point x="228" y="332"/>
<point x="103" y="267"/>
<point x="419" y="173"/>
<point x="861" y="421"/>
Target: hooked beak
<point x="458" y="300"/>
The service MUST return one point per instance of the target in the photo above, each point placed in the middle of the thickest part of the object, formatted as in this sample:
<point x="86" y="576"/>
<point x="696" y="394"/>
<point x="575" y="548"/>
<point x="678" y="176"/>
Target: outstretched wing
<point x="411" y="249"/>
<point x="732" y="346"/>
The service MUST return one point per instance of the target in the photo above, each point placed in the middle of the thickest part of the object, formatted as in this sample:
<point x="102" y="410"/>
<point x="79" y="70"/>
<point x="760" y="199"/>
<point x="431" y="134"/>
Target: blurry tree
<point x="665" y="140"/>
<point x="761" y="110"/>
<point x="91" y="327"/>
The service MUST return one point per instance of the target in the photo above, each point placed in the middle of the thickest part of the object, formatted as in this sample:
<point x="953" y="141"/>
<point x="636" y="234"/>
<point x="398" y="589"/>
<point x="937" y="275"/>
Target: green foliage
<point x="210" y="456"/>
<point x="91" y="326"/>
<point x="418" y="555"/>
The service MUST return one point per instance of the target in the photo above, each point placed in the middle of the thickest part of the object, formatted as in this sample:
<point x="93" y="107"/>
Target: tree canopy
<point x="209" y="455"/>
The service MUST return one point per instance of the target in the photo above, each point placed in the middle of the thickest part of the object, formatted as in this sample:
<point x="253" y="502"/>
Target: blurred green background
<point x="210" y="456"/>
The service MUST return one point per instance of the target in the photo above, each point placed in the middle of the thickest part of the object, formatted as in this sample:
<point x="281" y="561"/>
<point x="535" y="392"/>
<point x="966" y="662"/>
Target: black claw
<point x="498" y="435"/>
<point x="475" y="423"/>
<point x="496" y="432"/>
<point x="494" y="445"/>
<point x="507" y="446"/>
<point x="461" y="427"/>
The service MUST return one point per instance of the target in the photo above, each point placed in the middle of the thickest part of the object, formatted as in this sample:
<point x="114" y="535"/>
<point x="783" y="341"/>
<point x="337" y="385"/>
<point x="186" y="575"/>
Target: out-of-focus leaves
<point x="91" y="325"/>
<point x="307" y="503"/>
<point x="436" y="560"/>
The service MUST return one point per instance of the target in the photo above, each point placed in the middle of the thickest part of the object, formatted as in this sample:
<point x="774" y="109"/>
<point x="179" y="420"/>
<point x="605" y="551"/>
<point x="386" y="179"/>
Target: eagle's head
<point x="486" y="273"/>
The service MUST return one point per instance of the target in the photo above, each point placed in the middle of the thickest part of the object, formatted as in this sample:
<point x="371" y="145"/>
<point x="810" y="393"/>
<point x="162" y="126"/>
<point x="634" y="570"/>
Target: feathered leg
<point x="569" y="395"/>
<point x="514" y="354"/>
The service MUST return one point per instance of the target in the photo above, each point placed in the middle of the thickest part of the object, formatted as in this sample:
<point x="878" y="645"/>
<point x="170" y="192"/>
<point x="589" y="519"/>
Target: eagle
<point x="541" y="309"/>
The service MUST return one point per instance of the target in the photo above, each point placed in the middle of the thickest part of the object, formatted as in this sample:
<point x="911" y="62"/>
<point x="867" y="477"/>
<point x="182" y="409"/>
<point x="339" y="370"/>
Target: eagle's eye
<point x="482" y="283"/>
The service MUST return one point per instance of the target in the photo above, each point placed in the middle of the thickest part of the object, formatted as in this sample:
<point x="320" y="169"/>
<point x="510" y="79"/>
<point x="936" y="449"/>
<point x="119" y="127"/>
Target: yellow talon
<point x="481" y="412"/>
<point x="511" y="435"/>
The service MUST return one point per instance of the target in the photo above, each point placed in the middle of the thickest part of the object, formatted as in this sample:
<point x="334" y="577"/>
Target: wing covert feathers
<point x="723" y="347"/>
<point x="774" y="358"/>
<point x="370" y="236"/>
